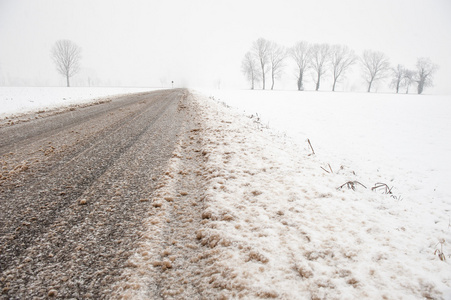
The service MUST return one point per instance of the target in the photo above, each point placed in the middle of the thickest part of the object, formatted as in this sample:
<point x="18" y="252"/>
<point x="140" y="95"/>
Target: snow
<point x="21" y="100"/>
<point x="276" y="223"/>
<point x="408" y="132"/>
<point x="282" y="227"/>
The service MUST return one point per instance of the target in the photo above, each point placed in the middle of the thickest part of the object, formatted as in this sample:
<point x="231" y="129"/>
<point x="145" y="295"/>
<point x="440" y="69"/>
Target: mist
<point x="202" y="43"/>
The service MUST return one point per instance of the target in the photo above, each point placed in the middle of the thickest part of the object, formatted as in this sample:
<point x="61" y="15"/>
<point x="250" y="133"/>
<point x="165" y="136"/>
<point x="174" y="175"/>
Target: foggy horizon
<point x="202" y="43"/>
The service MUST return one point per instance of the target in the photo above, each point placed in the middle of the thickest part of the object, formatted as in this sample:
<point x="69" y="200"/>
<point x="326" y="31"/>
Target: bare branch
<point x="408" y="79"/>
<point x="375" y="66"/>
<point x="249" y="67"/>
<point x="398" y="74"/>
<point x="261" y="50"/>
<point x="425" y="72"/>
<point x="320" y="54"/>
<point x="277" y="55"/>
<point x="311" y="147"/>
<point x="300" y="53"/>
<point x="342" y="58"/>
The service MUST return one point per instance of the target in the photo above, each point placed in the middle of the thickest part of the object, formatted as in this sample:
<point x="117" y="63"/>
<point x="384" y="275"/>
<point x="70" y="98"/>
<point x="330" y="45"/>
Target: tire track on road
<point x="22" y="134"/>
<point x="50" y="244"/>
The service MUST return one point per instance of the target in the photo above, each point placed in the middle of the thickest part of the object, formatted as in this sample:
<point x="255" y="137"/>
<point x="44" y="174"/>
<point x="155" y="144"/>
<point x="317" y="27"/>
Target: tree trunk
<point x="272" y="85"/>
<point x="420" y="87"/>
<point x="369" y="86"/>
<point x="67" y="80"/>
<point x="317" y="82"/>
<point x="300" y="87"/>
<point x="333" y="86"/>
<point x="263" y="75"/>
<point x="397" y="86"/>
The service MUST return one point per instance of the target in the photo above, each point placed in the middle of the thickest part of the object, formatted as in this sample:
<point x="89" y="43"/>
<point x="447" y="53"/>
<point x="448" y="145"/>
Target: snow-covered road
<point x="74" y="190"/>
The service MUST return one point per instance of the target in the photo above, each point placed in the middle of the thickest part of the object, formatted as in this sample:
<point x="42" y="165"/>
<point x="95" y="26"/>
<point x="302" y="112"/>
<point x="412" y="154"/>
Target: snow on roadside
<point x="279" y="226"/>
<point x="403" y="138"/>
<point x="21" y="100"/>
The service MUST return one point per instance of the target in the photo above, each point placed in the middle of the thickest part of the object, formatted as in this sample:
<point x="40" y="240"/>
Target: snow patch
<point x="21" y="100"/>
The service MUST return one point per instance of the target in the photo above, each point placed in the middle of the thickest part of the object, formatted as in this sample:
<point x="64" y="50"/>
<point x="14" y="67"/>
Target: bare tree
<point x="320" y="54"/>
<point x="425" y="72"/>
<point x="342" y="58"/>
<point x="249" y="67"/>
<point x="398" y="74"/>
<point x="375" y="66"/>
<point x="66" y="56"/>
<point x="301" y="55"/>
<point x="277" y="55"/>
<point x="261" y="50"/>
<point x="409" y="78"/>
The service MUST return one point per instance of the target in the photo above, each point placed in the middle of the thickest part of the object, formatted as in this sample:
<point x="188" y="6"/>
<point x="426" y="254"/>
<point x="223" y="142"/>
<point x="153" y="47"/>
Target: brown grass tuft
<point x="305" y="272"/>
<point x="227" y="217"/>
<point x="157" y="204"/>
<point x="206" y="215"/>
<point x="267" y="294"/>
<point x="256" y="193"/>
<point x="354" y="282"/>
<point x="254" y="255"/>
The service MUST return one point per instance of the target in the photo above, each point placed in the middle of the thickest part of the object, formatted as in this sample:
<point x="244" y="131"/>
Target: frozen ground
<point x="290" y="232"/>
<point x="20" y="100"/>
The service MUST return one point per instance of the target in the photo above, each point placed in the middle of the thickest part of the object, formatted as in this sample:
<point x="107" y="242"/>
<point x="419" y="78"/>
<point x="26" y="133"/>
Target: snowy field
<point x="404" y="140"/>
<point x="290" y="214"/>
<point x="407" y="138"/>
<point x="21" y="100"/>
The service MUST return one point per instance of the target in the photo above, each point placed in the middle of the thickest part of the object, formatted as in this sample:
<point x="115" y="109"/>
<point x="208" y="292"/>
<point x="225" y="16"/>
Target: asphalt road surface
<point x="74" y="189"/>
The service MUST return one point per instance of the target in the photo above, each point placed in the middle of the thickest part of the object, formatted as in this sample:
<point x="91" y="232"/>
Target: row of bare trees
<point x="266" y="57"/>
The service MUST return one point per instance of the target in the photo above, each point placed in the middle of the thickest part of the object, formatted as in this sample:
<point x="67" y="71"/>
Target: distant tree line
<point x="267" y="58"/>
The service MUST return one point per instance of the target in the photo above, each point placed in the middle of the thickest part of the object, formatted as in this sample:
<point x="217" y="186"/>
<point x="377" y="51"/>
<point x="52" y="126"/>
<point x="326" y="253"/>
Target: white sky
<point x="199" y="42"/>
